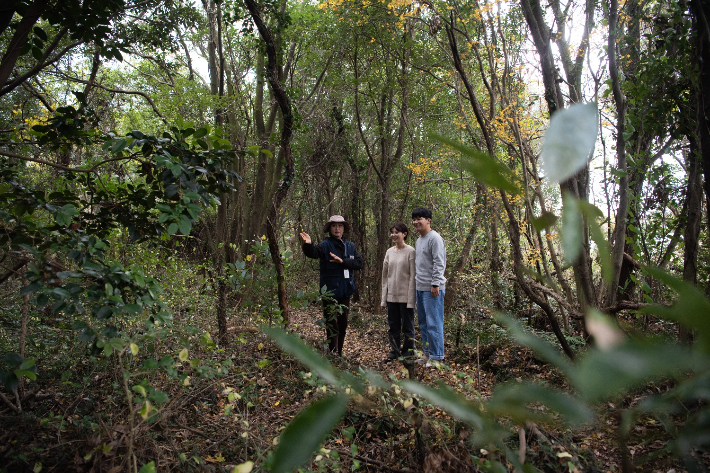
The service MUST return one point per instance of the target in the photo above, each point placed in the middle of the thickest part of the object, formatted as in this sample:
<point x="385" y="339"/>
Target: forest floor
<point x="74" y="417"/>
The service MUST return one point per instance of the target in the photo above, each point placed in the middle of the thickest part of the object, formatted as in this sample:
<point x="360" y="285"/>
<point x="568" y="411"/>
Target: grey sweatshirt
<point x="431" y="261"/>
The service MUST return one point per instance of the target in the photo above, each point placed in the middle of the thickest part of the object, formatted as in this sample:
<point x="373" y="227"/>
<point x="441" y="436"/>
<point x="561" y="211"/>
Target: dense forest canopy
<point x="159" y="159"/>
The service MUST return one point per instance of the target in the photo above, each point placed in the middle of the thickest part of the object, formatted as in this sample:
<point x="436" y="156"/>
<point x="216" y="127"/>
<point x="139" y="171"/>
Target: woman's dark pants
<point x="336" y="322"/>
<point x="401" y="322"/>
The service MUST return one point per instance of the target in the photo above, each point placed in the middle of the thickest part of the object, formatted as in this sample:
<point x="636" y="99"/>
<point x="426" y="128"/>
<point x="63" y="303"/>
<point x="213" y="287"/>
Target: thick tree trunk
<point x="701" y="25"/>
<point x="19" y="39"/>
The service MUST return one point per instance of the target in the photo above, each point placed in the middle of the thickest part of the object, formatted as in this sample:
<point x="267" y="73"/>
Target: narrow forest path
<point x="366" y="345"/>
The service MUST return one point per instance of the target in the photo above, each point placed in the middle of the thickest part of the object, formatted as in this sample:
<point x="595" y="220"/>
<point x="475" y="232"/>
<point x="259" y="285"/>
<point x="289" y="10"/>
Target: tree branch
<point x="63" y="167"/>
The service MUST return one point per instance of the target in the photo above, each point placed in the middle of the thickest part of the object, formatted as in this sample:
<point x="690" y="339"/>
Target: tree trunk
<point x="619" y="236"/>
<point x="578" y="184"/>
<point x="701" y="13"/>
<point x="452" y="283"/>
<point x="284" y="103"/>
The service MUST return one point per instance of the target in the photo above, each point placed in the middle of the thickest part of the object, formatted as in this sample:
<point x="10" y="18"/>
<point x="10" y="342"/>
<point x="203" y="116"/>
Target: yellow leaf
<point x="134" y="348"/>
<point x="564" y="455"/>
<point x="140" y="390"/>
<point x="186" y="381"/>
<point x="145" y="410"/>
<point x="245" y="467"/>
<point x="261" y="346"/>
<point x="408" y="403"/>
<point x="183" y="354"/>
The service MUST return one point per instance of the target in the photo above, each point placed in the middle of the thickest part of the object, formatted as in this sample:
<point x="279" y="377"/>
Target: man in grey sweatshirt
<point x="430" y="285"/>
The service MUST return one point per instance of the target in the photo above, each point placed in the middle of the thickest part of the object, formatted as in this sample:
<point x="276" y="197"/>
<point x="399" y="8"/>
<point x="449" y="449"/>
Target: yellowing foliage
<point x="424" y="167"/>
<point x="400" y="9"/>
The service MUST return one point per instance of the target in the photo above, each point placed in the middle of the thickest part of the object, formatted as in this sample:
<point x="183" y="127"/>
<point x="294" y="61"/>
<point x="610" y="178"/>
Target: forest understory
<point x="75" y="416"/>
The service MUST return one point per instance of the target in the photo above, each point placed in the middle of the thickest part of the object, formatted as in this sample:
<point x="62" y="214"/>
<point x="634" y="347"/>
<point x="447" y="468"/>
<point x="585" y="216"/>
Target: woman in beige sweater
<point x="398" y="292"/>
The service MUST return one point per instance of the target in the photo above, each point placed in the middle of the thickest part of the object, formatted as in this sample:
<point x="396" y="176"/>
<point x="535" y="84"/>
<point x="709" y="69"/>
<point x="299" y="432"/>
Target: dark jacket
<point x="332" y="275"/>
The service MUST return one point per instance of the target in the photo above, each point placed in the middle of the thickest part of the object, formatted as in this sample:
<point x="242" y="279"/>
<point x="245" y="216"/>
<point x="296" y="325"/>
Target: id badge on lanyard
<point x="346" y="272"/>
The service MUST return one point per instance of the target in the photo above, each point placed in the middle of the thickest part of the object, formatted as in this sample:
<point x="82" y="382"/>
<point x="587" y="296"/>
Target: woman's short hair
<point x="401" y="228"/>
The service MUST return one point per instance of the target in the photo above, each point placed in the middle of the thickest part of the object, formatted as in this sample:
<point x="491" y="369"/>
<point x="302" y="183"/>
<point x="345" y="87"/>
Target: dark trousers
<point x="401" y="321"/>
<point x="336" y="322"/>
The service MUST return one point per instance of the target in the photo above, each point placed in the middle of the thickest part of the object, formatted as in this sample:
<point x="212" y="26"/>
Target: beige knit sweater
<point x="398" y="273"/>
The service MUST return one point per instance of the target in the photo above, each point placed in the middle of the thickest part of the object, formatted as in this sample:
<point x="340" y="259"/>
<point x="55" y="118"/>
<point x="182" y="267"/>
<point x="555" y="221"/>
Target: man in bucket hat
<point x="338" y="260"/>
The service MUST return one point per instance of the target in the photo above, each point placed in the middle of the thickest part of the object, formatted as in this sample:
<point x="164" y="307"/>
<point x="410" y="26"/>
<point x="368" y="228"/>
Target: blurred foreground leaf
<point x="569" y="141"/>
<point x="601" y="375"/>
<point x="304" y="354"/>
<point x="306" y="431"/>
<point x="514" y="400"/>
<point x="483" y="167"/>
<point x="691" y="308"/>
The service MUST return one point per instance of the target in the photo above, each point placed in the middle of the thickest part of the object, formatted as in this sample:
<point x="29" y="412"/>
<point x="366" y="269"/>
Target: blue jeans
<point x="430" y="313"/>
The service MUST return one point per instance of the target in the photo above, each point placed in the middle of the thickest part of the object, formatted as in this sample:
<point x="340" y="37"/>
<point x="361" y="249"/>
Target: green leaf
<point x="104" y="313"/>
<point x="513" y="400"/>
<point x="304" y="354"/>
<point x="117" y="343"/>
<point x="691" y="308"/>
<point x="200" y="132"/>
<point x="133" y="309"/>
<point x="602" y="375"/>
<point x="61" y="293"/>
<point x="544" y="221"/>
<point x="571" y="228"/>
<point x="173" y="228"/>
<point x="31" y="288"/>
<point x="591" y="212"/>
<point x="185" y="225"/>
<point x="483" y="167"/>
<point x="118" y="146"/>
<point x="569" y="141"/>
<point x="69" y="209"/>
<point x="159" y="397"/>
<point x="306" y="431"/>
<point x="13" y="359"/>
<point x="79" y="325"/>
<point x="148" y="468"/>
<point x="27" y="373"/>
<point x="27" y="364"/>
<point x="545" y="350"/>
<point x="449" y="400"/>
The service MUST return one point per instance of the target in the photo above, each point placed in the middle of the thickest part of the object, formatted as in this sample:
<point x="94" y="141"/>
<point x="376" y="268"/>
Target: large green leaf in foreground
<point x="306" y="432"/>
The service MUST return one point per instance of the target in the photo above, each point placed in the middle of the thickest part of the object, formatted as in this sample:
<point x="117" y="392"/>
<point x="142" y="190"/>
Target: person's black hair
<point x="421" y="212"/>
<point x="401" y="228"/>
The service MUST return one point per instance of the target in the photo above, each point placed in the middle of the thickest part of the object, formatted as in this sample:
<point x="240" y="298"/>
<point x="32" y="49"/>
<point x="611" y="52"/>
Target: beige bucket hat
<point x="336" y="219"/>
